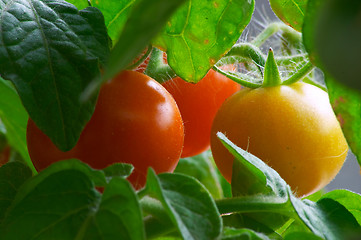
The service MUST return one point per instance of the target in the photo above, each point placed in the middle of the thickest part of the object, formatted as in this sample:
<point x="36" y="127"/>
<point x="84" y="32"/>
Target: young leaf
<point x="200" y="33"/>
<point x="350" y="200"/>
<point x="12" y="176"/>
<point x="14" y="118"/>
<point x="251" y="175"/>
<point x="65" y="205"/>
<point x="51" y="51"/>
<point x="187" y="203"/>
<point x="202" y="168"/>
<point x="290" y="12"/>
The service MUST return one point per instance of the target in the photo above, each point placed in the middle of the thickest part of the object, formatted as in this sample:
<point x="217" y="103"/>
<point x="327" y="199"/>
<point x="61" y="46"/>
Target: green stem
<point x="300" y="74"/>
<point x="248" y="51"/>
<point x="271" y="74"/>
<point x="157" y="69"/>
<point x="242" y="79"/>
<point x="248" y="204"/>
<point x="274" y="28"/>
<point x="292" y="59"/>
<point x="145" y="55"/>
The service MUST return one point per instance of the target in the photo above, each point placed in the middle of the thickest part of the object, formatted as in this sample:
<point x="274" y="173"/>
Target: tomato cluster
<point x="138" y="121"/>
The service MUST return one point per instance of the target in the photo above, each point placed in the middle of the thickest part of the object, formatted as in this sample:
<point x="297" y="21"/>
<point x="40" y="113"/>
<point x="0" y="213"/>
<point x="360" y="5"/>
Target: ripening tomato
<point x="135" y="121"/>
<point x="198" y="104"/>
<point x="291" y="128"/>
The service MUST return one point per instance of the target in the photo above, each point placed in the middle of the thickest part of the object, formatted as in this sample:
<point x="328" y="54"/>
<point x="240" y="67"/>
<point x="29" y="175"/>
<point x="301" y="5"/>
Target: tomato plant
<point x="275" y="141"/>
<point x="135" y="121"/>
<point x="198" y="104"/>
<point x="290" y="127"/>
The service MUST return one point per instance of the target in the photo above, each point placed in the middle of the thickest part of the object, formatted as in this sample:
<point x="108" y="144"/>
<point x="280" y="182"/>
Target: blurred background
<point x="349" y="177"/>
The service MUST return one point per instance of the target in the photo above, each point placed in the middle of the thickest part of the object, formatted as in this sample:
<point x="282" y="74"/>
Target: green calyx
<point x="271" y="77"/>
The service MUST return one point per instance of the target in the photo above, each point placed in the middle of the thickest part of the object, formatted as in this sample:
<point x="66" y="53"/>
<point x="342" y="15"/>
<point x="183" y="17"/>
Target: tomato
<point x="291" y="128"/>
<point x="135" y="121"/>
<point x="4" y="155"/>
<point x="198" y="104"/>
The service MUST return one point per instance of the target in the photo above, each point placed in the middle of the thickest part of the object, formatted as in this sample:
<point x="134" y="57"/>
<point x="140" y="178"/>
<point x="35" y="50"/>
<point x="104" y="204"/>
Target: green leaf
<point x="12" y="176"/>
<point x="145" y="21"/>
<point x="187" y="203"/>
<point x="80" y="4"/>
<point x="65" y="205"/>
<point x="51" y="52"/>
<point x="302" y="235"/>
<point x="346" y="105"/>
<point x="116" y="13"/>
<point x="326" y="218"/>
<point x="350" y="200"/>
<point x="202" y="167"/>
<point x="118" y="170"/>
<point x="251" y="175"/>
<point x="291" y="12"/>
<point x="118" y="216"/>
<point x="14" y="118"/>
<point x="201" y="32"/>
<point x="260" y="222"/>
<point x="242" y="234"/>
<point x="332" y="36"/>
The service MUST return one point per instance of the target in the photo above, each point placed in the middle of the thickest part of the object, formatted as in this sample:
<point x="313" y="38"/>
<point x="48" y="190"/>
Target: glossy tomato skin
<point x="291" y="128"/>
<point x="198" y="104"/>
<point x="135" y="121"/>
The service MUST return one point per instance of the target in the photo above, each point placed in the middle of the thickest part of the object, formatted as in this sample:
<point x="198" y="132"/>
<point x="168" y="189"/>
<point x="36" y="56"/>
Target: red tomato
<point x="4" y="155"/>
<point x="135" y="121"/>
<point x="198" y="104"/>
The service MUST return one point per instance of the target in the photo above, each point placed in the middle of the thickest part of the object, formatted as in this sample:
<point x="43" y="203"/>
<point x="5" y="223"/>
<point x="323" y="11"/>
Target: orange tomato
<point x="291" y="128"/>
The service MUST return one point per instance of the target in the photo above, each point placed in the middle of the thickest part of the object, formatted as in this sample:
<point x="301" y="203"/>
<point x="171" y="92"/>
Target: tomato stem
<point x="300" y="74"/>
<point x="273" y="28"/>
<point x="145" y="55"/>
<point x="240" y="78"/>
<point x="250" y="52"/>
<point x="271" y="74"/>
<point x="157" y="69"/>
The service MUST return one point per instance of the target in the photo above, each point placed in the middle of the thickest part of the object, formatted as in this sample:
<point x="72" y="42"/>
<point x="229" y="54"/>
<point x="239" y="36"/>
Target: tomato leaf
<point x="290" y="12"/>
<point x="332" y="36"/>
<point x="12" y="176"/>
<point x="200" y="33"/>
<point x="346" y="105"/>
<point x="187" y="203"/>
<point x="118" y="170"/>
<point x="144" y="22"/>
<point x="202" y="167"/>
<point x="326" y="218"/>
<point x="51" y="51"/>
<point x="62" y="203"/>
<point x="251" y="175"/>
<point x="302" y="235"/>
<point x="350" y="200"/>
<point x="116" y="14"/>
<point x="14" y="117"/>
